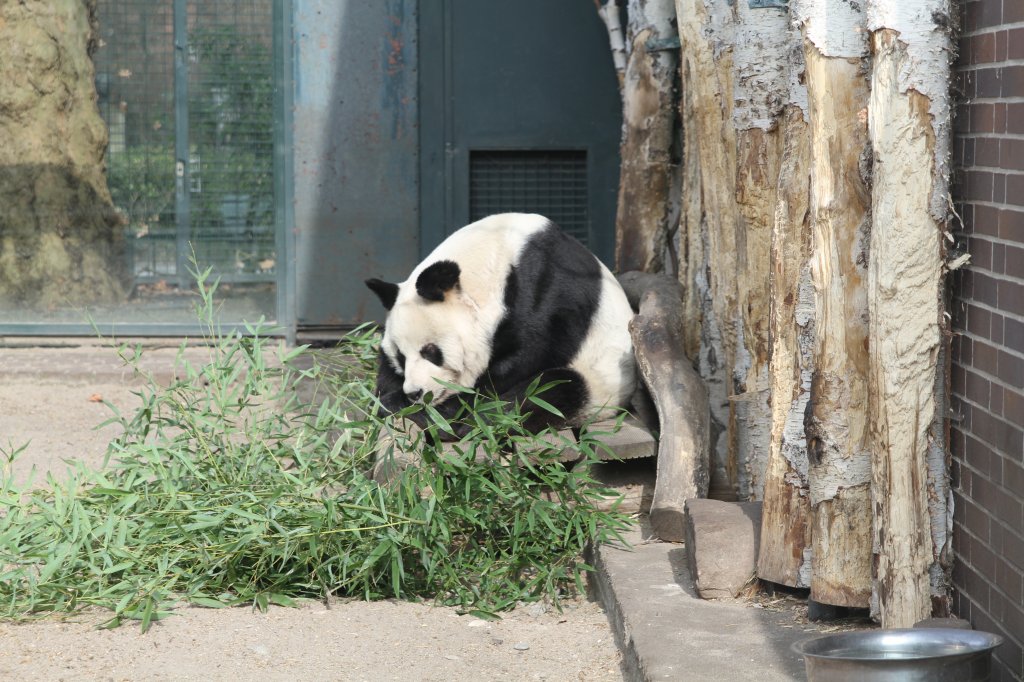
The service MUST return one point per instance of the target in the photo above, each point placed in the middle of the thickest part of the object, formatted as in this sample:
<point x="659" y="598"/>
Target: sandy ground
<point x="349" y="641"/>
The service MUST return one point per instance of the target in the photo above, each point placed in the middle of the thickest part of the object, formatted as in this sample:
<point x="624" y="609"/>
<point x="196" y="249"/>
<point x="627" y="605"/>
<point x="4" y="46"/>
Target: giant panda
<point x="498" y="303"/>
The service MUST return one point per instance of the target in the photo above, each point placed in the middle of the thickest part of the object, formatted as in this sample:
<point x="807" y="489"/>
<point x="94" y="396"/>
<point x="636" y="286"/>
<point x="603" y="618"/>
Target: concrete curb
<point x="666" y="632"/>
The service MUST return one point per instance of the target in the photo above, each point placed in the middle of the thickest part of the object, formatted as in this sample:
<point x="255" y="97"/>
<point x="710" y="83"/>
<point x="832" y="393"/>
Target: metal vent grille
<point x="550" y="182"/>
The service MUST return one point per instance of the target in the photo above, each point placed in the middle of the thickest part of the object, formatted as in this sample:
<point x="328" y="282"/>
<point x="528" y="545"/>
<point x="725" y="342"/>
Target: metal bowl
<point x="900" y="655"/>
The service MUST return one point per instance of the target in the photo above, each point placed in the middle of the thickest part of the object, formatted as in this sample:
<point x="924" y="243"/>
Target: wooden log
<point x="909" y="124"/>
<point x="706" y="31"/>
<point x="839" y="474"/>
<point x="679" y="395"/>
<point x="785" y="530"/>
<point x="649" y="113"/>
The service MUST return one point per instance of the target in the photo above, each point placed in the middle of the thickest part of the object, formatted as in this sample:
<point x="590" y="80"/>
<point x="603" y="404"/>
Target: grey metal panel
<point x="533" y="74"/>
<point x="355" y="154"/>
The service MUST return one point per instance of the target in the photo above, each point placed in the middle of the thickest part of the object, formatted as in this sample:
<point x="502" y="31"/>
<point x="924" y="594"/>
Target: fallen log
<point x="679" y="395"/>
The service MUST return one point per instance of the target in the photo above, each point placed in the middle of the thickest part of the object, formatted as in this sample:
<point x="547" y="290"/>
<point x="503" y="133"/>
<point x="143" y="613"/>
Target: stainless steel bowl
<point x="900" y="655"/>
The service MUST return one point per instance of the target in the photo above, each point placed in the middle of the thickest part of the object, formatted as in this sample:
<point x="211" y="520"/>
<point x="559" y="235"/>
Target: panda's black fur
<point x="537" y="304"/>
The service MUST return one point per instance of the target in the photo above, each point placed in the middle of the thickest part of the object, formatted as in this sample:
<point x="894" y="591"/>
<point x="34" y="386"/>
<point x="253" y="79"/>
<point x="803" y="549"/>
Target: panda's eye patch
<point x="401" y="360"/>
<point x="431" y="353"/>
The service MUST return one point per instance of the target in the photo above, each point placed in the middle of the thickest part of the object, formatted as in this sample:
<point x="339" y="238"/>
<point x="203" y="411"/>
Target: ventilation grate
<point x="550" y="182"/>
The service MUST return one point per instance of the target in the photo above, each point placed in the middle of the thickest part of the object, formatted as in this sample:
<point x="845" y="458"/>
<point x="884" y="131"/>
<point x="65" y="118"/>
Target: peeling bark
<point x="836" y="418"/>
<point x="786" y="520"/>
<point x="609" y="13"/>
<point x="678" y="393"/>
<point x="649" y="114"/>
<point x="760" y="91"/>
<point x="909" y="128"/>
<point x="706" y="30"/>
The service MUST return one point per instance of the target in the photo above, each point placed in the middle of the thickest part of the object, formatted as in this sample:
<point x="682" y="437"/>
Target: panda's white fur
<point x="463" y="326"/>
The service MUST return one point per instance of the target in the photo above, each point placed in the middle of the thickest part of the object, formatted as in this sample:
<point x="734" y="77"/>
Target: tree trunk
<point x="760" y="91"/>
<point x="706" y="35"/>
<point x="836" y="418"/>
<point x="909" y="123"/>
<point x="60" y="237"/>
<point x="646" y="197"/>
<point x="786" y="516"/>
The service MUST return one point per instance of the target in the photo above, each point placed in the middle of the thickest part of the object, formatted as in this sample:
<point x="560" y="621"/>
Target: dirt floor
<point x="349" y="641"/>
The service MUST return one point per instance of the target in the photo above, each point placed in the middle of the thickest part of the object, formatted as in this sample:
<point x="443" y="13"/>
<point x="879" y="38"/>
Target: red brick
<point x="1013" y="79"/>
<point x="999" y="188"/>
<point x="966" y="347"/>
<point x="977" y="389"/>
<point x="991" y="13"/>
<point x="1013" y="549"/>
<point x="996" y="333"/>
<point x="963" y="85"/>
<point x="1013" y="11"/>
<point x="1014" y="261"/>
<point x="1013" y="335"/>
<point x="1015" y="42"/>
<point x="978" y="457"/>
<point x="986" y="151"/>
<point x="1011" y="225"/>
<point x="978" y="185"/>
<point x="999" y="258"/>
<point x="1000" y="50"/>
<point x="1011" y="296"/>
<point x="1011" y="152"/>
<point x="1013" y="408"/>
<point x="995" y="399"/>
<point x="981" y="253"/>
<point x="1012" y="118"/>
<point x="1015" y="189"/>
<point x="985" y="220"/>
<point x="985" y="357"/>
<point x="982" y="115"/>
<point x="983" y="48"/>
<point x="979" y="321"/>
<point x="990" y="84"/>
<point x="972" y="15"/>
<point x="1011" y="369"/>
<point x="986" y="290"/>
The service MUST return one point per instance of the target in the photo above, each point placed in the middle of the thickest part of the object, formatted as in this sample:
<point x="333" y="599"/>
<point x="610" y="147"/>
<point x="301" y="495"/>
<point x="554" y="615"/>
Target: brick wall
<point x="988" y="317"/>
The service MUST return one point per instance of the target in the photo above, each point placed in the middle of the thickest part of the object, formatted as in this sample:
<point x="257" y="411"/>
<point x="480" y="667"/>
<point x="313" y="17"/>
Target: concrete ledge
<point x="666" y="632"/>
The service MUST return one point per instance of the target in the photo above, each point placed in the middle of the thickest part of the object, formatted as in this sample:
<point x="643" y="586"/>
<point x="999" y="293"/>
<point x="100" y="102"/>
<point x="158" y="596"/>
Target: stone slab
<point x="723" y="539"/>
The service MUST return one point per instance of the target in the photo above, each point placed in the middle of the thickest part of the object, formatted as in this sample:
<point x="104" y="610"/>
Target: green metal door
<point x="519" y="111"/>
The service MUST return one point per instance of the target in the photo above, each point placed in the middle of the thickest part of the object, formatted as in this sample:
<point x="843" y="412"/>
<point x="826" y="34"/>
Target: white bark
<point x="836" y="420"/>
<point x="646" y="195"/>
<point x="760" y="91"/>
<point x="909" y="128"/>
<point x="706" y="36"/>
<point x="609" y="14"/>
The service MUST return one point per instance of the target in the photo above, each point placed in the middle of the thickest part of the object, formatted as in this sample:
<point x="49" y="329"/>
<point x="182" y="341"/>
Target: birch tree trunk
<point x="909" y="123"/>
<point x="784" y="555"/>
<point x="706" y="31"/>
<point x="839" y="475"/>
<point x="760" y="90"/>
<point x="646" y="200"/>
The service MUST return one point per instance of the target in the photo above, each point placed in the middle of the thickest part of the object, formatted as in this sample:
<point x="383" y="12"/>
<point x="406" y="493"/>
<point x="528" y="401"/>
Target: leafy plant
<point x="228" y="488"/>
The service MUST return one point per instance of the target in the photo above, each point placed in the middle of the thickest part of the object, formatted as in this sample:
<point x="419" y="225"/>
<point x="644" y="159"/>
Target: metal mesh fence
<point x="225" y="93"/>
<point x="552" y="183"/>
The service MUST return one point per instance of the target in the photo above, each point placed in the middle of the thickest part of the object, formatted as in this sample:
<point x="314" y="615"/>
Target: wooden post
<point x="706" y="30"/>
<point x="649" y="114"/>
<point x="786" y="517"/>
<point x="839" y="474"/>
<point x="679" y="395"/>
<point x="909" y="124"/>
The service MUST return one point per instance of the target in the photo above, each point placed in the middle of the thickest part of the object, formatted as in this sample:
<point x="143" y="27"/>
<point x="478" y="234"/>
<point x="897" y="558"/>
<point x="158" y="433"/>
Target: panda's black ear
<point x="436" y="279"/>
<point x="387" y="292"/>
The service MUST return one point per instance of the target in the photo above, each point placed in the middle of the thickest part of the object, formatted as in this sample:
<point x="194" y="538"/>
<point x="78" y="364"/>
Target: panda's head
<point x="429" y="334"/>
